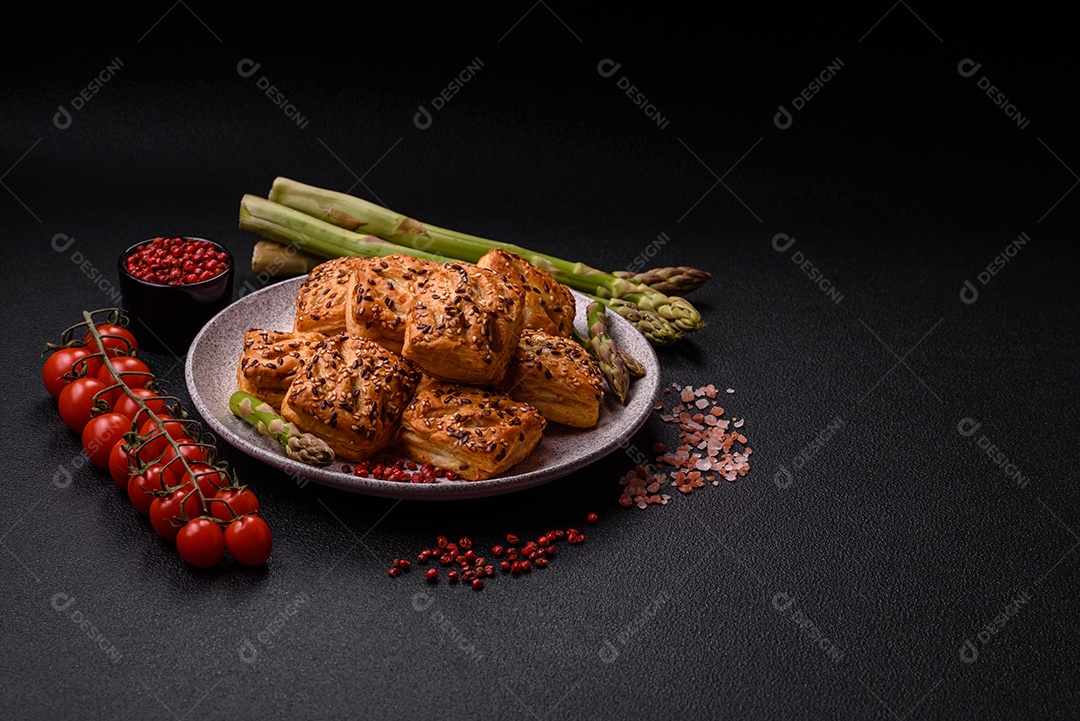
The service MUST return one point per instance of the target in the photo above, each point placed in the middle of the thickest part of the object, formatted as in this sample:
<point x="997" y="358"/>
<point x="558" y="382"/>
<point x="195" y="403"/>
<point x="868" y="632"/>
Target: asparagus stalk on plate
<point x="355" y="214"/>
<point x="655" y="329"/>
<point x="602" y="348"/>
<point x="293" y="228"/>
<point x="302" y="447"/>
<point x="633" y="365"/>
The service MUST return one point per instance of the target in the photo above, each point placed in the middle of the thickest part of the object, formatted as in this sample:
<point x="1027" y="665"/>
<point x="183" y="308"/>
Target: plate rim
<point x="457" y="490"/>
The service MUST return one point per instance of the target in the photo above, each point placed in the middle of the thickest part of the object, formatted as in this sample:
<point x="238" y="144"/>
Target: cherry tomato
<point x="62" y="362"/>
<point x="174" y="470"/>
<point x="117" y="341"/>
<point x="201" y="543"/>
<point x="248" y="540"/>
<point x="100" y="434"/>
<point x="241" y="500"/>
<point x="127" y="407"/>
<point x="182" y="503"/>
<point x="210" y="479"/>
<point x="77" y="402"/>
<point x="133" y="372"/>
<point x="141" y="488"/>
<point x="156" y="442"/>
<point x="119" y="461"/>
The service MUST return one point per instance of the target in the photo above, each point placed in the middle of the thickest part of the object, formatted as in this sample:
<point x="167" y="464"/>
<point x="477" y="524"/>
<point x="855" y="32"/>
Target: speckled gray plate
<point x="211" y="378"/>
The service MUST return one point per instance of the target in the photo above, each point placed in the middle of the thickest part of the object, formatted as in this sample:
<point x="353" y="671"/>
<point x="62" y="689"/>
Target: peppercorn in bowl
<point x="172" y="286"/>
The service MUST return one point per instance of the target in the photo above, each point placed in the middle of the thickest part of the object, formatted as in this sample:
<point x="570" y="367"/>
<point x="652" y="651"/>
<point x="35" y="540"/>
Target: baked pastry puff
<point x="384" y="291"/>
<point x="549" y="305"/>
<point x="558" y="377"/>
<point x="270" y="361"/>
<point x="475" y="432"/>
<point x="351" y="394"/>
<point x="464" y="325"/>
<point x="320" y="302"/>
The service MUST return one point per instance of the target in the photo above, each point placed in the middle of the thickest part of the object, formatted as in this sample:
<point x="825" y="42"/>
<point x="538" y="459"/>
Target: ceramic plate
<point x="210" y="373"/>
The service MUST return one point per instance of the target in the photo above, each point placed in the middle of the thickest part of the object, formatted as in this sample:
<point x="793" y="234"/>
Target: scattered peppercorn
<point x="400" y="470"/>
<point x="472" y="568"/>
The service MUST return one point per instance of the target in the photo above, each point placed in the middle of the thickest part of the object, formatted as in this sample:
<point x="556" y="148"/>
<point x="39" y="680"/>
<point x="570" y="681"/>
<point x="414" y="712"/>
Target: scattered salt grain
<point x="705" y="446"/>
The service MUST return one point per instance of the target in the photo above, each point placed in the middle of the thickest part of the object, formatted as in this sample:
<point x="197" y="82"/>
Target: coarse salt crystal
<point x="701" y="433"/>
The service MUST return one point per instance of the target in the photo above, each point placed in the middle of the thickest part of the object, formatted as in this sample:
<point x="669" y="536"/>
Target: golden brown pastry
<point x="270" y="361"/>
<point x="320" y="302"/>
<point x="558" y="377"/>
<point x="351" y="394"/>
<point x="384" y="291"/>
<point x="464" y="325"/>
<point x="475" y="432"/>
<point x="549" y="305"/>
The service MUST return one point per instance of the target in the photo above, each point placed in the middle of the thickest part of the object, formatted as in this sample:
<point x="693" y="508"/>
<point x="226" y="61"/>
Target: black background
<point x="898" y="540"/>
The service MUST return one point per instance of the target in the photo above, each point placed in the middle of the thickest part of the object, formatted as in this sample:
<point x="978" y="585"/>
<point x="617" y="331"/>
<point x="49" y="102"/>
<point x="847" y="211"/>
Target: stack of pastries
<point x="463" y="365"/>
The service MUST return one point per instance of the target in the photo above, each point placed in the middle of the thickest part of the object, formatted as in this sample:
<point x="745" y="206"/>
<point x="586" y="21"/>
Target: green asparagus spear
<point x="355" y="214"/>
<point x="602" y="348"/>
<point x="632" y="364"/>
<point x="302" y="447"/>
<point x="655" y="329"/>
<point x="674" y="281"/>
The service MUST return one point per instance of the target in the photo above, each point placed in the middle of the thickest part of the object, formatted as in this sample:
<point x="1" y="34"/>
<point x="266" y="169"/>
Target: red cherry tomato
<point x="127" y="407"/>
<point x="241" y="500"/>
<point x="77" y="402"/>
<point x="210" y="479"/>
<point x="174" y="470"/>
<point x="101" y="434"/>
<point x="201" y="543"/>
<point x="133" y="372"/>
<point x="119" y="463"/>
<point x="182" y="503"/>
<point x="141" y="488"/>
<point x="156" y="436"/>
<point x="64" y="361"/>
<point x="117" y="341"/>
<point x="248" y="540"/>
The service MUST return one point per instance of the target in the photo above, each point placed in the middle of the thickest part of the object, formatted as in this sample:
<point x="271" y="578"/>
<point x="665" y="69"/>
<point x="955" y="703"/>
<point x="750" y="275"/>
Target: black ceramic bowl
<point x="166" y="318"/>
